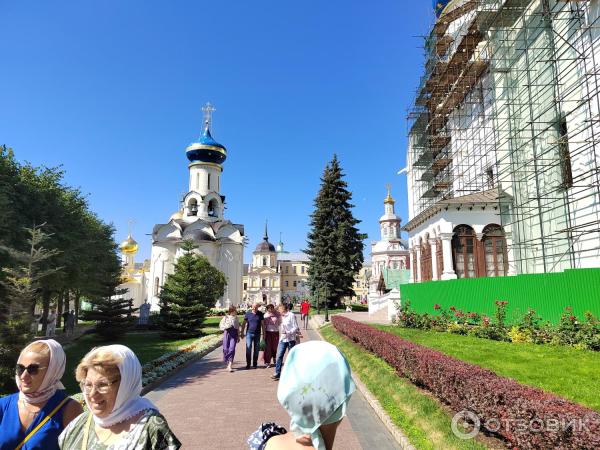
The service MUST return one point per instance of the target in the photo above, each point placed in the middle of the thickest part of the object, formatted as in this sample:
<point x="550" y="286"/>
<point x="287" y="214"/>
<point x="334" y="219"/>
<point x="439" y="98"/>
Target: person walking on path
<point x="70" y="323"/>
<point x="288" y="331"/>
<point x="51" y="324"/>
<point x="231" y="335"/>
<point x="252" y="329"/>
<point x="304" y="310"/>
<point x="271" y="332"/>
<point x="65" y="318"/>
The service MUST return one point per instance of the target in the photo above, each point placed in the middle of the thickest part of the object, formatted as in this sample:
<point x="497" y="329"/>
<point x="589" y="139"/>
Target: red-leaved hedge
<point x="526" y="417"/>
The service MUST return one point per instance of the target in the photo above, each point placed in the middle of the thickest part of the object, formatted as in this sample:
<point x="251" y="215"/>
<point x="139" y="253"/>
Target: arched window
<point x="192" y="207"/>
<point x="156" y="286"/>
<point x="212" y="208"/>
<point x="264" y="283"/>
<point x="208" y="182"/>
<point x="494" y="247"/>
<point x="463" y="249"/>
<point x="264" y="261"/>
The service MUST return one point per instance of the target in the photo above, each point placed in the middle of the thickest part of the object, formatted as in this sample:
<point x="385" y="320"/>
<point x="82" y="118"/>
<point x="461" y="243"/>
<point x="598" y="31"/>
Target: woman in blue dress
<point x="34" y="417"/>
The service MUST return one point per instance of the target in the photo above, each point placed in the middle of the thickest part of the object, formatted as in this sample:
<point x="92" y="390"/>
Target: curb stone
<point x="398" y="435"/>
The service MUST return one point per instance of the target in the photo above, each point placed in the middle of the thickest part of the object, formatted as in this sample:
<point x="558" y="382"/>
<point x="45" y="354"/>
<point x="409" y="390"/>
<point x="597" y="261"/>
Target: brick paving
<point x="207" y="407"/>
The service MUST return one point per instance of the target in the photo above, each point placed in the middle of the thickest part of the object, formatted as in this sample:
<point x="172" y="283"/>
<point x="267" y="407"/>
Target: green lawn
<point x="564" y="371"/>
<point x="418" y="415"/>
<point x="146" y="345"/>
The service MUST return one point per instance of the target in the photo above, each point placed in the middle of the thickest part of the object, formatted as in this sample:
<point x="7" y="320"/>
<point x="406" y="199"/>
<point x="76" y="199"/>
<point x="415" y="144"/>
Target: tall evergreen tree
<point x="335" y="245"/>
<point x="189" y="293"/>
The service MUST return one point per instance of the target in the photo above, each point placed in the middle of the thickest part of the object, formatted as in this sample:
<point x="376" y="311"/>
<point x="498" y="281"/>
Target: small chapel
<point x="200" y="219"/>
<point x="390" y="258"/>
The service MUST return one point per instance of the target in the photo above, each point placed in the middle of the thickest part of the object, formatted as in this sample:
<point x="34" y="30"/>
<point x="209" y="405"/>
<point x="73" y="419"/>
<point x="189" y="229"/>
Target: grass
<point x="565" y="371"/>
<point x="420" y="417"/>
<point x="146" y="345"/>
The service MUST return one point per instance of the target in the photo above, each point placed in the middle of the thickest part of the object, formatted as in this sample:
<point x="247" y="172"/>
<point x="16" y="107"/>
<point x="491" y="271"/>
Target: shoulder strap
<point x="42" y="423"/>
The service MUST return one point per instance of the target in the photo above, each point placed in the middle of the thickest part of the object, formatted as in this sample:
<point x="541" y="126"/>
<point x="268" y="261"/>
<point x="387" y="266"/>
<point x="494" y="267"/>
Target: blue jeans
<point x="283" y="346"/>
<point x="252" y="340"/>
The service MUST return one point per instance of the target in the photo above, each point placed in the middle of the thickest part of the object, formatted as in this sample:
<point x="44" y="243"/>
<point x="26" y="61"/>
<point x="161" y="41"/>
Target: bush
<point x="494" y="399"/>
<point x="528" y="326"/>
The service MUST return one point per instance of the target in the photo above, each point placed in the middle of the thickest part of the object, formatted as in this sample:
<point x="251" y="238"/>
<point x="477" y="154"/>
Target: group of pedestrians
<point x="42" y="416"/>
<point x="68" y="323"/>
<point x="275" y="332"/>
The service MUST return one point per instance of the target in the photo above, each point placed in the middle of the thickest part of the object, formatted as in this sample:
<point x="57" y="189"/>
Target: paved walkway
<point x="208" y="407"/>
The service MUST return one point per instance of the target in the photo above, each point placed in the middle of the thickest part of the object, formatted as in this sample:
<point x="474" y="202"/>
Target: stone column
<point x="449" y="273"/>
<point x="433" y="246"/>
<point x="412" y="271"/>
<point x="418" y="253"/>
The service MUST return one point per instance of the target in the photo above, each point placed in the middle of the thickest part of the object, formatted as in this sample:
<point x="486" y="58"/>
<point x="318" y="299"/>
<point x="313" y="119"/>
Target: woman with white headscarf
<point x="315" y="388"/>
<point x="34" y="417"/>
<point x="118" y="418"/>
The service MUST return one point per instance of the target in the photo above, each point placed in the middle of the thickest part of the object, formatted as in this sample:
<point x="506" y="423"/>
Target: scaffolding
<point x="510" y="99"/>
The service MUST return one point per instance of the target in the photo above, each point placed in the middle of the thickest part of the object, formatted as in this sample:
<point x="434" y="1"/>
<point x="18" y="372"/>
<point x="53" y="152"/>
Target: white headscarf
<point x="54" y="372"/>
<point x="315" y="387"/>
<point x="128" y="402"/>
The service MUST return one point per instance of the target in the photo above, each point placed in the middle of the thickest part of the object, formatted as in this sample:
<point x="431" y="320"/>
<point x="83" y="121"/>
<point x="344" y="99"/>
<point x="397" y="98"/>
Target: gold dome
<point x="129" y="246"/>
<point x="177" y="215"/>
<point x="389" y="198"/>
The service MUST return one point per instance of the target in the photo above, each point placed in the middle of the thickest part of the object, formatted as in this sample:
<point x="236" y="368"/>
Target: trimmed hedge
<point x="526" y="417"/>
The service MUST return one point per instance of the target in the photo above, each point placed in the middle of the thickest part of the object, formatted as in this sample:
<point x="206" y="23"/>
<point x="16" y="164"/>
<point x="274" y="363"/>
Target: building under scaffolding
<point x="504" y="141"/>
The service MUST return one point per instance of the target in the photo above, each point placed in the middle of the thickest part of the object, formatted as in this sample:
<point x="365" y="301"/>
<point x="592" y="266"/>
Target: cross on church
<point x="130" y="222"/>
<point x="208" y="110"/>
<point x="388" y="186"/>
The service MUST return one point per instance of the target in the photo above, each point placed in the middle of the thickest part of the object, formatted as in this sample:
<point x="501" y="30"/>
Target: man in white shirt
<point x="288" y="331"/>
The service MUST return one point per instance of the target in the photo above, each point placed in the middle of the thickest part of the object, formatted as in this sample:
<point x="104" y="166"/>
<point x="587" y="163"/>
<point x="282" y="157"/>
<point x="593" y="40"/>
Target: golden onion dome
<point x="389" y="198"/>
<point x="177" y="215"/>
<point x="129" y="246"/>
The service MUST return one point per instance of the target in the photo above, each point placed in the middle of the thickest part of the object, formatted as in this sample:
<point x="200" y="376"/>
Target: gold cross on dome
<point x="130" y="222"/>
<point x="388" y="186"/>
<point x="208" y="109"/>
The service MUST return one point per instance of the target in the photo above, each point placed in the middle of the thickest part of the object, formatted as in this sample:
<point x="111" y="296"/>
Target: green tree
<point x="113" y="315"/>
<point x="21" y="284"/>
<point x="189" y="293"/>
<point x="335" y="245"/>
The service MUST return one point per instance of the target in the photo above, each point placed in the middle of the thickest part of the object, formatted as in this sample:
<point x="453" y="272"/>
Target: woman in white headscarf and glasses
<point x="315" y="388"/>
<point x="34" y="417"/>
<point x="118" y="418"/>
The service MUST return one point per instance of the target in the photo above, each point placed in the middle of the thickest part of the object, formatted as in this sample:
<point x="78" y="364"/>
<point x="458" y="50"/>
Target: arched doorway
<point x="464" y="252"/>
<point x="494" y="248"/>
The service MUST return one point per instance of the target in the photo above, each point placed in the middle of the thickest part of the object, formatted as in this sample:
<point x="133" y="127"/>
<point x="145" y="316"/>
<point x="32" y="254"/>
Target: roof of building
<point x="294" y="257"/>
<point x="484" y="198"/>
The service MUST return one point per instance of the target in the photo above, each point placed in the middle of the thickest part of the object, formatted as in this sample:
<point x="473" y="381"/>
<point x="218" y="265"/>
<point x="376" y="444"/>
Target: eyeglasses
<point x="101" y="388"/>
<point x="32" y="369"/>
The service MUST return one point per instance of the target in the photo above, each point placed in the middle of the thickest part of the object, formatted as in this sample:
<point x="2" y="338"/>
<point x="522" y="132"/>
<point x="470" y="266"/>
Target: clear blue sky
<point x="113" y="91"/>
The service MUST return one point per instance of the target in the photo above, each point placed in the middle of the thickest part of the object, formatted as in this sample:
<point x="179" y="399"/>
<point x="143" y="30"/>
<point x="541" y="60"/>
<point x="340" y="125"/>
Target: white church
<point x="200" y="219"/>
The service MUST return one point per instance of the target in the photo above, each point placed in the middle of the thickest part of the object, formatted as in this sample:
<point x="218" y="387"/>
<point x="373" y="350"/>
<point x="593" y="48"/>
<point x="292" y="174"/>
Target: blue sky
<point x="113" y="91"/>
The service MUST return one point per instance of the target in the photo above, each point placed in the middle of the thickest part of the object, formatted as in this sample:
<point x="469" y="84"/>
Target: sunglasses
<point x="32" y="369"/>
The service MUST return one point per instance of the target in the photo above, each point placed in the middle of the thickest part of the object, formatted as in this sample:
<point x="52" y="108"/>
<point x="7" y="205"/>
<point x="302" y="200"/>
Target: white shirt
<point x="289" y="327"/>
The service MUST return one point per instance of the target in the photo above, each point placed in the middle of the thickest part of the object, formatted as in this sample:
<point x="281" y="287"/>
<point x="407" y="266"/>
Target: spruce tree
<point x="335" y="245"/>
<point x="111" y="309"/>
<point x="189" y="293"/>
<point x="112" y="314"/>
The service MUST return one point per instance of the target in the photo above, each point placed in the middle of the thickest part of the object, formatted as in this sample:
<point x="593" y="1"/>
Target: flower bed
<point x="159" y="367"/>
<point x="162" y="366"/>
<point x="529" y="327"/>
<point x="524" y="416"/>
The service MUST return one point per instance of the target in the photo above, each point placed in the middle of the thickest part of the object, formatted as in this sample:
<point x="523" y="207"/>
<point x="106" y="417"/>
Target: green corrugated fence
<point x="548" y="294"/>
